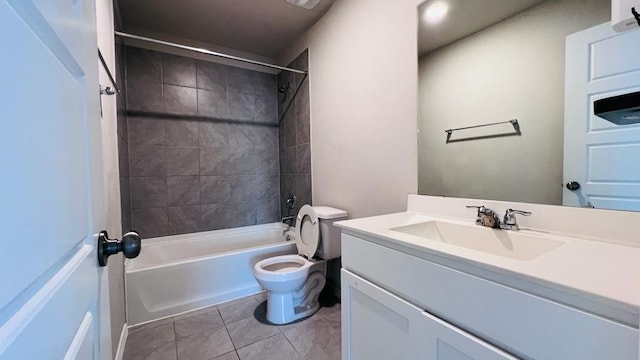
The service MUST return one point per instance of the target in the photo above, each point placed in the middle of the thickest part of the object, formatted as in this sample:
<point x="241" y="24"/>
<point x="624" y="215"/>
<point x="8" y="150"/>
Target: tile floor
<point x="237" y="330"/>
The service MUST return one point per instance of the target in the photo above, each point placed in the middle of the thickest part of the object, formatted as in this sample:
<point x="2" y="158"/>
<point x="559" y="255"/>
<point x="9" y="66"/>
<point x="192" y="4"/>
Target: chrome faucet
<point x="509" y="222"/>
<point x="289" y="220"/>
<point x="489" y="218"/>
<point x="486" y="217"/>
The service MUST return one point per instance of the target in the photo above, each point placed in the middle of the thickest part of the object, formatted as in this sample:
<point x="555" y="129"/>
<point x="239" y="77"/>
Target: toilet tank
<point x="330" y="239"/>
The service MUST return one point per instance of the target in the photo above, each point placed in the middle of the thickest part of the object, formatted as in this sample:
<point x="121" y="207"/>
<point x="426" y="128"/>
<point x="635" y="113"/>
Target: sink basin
<point x="511" y="244"/>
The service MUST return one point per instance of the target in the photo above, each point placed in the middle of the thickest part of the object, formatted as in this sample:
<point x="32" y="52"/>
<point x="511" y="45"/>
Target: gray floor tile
<point x="247" y="331"/>
<point x="152" y="334"/>
<point x="246" y="299"/>
<point x="204" y="345"/>
<point x="315" y="339"/>
<point x="135" y="329"/>
<point x="228" y="356"/>
<point x="273" y="348"/>
<point x="165" y="351"/>
<point x="260" y="297"/>
<point x="195" y="322"/>
<point x="238" y="309"/>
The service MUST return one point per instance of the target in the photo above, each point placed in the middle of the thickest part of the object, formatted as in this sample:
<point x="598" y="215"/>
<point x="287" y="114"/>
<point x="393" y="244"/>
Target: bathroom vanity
<point x="430" y="284"/>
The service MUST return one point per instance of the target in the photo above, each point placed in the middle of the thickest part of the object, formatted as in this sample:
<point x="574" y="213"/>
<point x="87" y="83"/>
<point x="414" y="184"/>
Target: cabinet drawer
<point x="520" y="323"/>
<point x="379" y="325"/>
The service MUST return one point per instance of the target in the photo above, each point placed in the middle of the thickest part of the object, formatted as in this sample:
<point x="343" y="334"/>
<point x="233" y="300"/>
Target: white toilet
<point x="294" y="282"/>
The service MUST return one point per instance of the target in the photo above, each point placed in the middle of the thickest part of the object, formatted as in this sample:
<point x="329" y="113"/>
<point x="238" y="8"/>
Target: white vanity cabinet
<point x="380" y="325"/>
<point x="398" y="304"/>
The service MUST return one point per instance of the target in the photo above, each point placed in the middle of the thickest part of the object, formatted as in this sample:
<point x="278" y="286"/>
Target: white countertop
<point x="605" y="274"/>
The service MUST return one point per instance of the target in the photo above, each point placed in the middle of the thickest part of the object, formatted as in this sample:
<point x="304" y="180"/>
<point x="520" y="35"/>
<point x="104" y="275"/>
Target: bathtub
<point x="179" y="273"/>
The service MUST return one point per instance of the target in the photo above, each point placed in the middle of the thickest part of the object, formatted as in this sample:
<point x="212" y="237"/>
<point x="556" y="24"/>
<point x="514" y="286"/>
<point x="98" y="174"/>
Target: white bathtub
<point x="179" y="273"/>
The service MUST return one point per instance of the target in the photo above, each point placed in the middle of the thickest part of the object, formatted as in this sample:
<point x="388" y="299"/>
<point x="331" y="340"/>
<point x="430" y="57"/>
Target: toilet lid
<point x="307" y="231"/>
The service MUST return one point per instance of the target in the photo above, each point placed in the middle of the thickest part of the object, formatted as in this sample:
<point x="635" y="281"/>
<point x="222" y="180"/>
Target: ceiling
<point x="261" y="27"/>
<point x="464" y="18"/>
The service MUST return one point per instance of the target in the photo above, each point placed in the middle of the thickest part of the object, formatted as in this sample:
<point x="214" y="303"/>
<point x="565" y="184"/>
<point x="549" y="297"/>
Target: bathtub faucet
<point x="289" y="220"/>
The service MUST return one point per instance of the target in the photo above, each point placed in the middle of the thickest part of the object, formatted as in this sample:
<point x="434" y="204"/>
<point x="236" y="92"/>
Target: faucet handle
<point x="486" y="217"/>
<point x="509" y="221"/>
<point x="510" y="212"/>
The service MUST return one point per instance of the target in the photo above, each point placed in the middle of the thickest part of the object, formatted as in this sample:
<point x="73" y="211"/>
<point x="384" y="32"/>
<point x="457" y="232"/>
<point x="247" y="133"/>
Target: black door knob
<point x="573" y="185"/>
<point x="130" y="245"/>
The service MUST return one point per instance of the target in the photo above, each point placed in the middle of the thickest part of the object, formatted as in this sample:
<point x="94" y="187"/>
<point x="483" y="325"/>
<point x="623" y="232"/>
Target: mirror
<point x="491" y="61"/>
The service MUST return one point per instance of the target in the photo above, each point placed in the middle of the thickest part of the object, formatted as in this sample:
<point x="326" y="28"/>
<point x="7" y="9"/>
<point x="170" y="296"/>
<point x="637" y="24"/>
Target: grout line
<point x="175" y="337"/>
<point x="290" y="343"/>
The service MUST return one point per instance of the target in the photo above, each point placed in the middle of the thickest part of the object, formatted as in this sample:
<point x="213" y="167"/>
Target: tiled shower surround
<point x="295" y="151"/>
<point x="203" y="145"/>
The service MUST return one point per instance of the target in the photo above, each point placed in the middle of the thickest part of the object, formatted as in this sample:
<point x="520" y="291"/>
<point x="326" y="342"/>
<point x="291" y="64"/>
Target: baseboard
<point x="122" y="342"/>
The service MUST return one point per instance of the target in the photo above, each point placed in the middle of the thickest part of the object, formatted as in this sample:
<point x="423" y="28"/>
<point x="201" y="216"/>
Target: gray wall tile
<point x="287" y="186"/>
<point x="289" y="122"/>
<point x="214" y="189"/>
<point x="125" y="203"/>
<point x="213" y="103"/>
<point x="123" y="157"/>
<point x="246" y="213"/>
<point x="242" y="107"/>
<point x="181" y="132"/>
<point x="266" y="186"/>
<point x="144" y="95"/>
<point x="184" y="219"/>
<point x="288" y="161"/>
<point x="150" y="222"/>
<point x="148" y="192"/>
<point x="214" y="134"/>
<point x="193" y="175"/>
<point x="266" y="110"/>
<point x="178" y="70"/>
<point x="243" y="187"/>
<point x="268" y="210"/>
<point x="240" y="81"/>
<point x="217" y="216"/>
<point x="265" y="138"/>
<point x="183" y="160"/>
<point x="294" y="138"/>
<point x="146" y="130"/>
<point x="214" y="160"/>
<point x="143" y="64"/>
<point x="267" y="162"/>
<point x="183" y="190"/>
<point x="242" y="136"/>
<point x="303" y="156"/>
<point x="242" y="161"/>
<point x="212" y="76"/>
<point x="264" y="84"/>
<point x="180" y="100"/>
<point x="147" y="160"/>
<point x="302" y="190"/>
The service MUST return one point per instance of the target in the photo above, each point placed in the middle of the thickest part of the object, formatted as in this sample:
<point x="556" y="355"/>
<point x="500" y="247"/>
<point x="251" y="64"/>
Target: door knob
<point x="573" y="185"/>
<point x="130" y="246"/>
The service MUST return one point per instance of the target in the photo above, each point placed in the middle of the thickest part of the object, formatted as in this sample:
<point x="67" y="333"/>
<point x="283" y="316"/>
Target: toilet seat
<point x="307" y="232"/>
<point x="282" y="268"/>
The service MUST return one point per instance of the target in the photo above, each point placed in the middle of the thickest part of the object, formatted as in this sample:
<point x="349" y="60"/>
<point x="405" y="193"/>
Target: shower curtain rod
<point x="207" y="52"/>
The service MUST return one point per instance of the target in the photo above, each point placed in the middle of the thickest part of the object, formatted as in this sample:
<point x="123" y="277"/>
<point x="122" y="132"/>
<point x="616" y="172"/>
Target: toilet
<point x="294" y="282"/>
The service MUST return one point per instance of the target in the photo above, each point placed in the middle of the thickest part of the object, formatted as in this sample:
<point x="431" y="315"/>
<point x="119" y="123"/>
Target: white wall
<point x="363" y="93"/>
<point x="514" y="69"/>
<point x="104" y="9"/>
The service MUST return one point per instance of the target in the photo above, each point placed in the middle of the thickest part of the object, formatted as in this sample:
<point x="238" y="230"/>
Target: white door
<point x="602" y="157"/>
<point x="51" y="201"/>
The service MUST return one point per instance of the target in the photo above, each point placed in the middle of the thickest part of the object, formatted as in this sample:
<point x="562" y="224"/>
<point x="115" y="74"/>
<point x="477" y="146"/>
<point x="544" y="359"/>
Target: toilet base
<point x="283" y="308"/>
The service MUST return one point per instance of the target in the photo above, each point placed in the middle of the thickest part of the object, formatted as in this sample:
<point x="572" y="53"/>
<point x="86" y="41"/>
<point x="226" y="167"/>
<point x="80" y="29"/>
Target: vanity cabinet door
<point x="447" y="342"/>
<point x="377" y="325"/>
